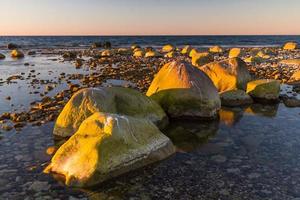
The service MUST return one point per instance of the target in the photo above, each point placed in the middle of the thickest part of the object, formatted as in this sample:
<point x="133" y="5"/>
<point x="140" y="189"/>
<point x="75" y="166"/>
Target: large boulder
<point x="193" y="52"/>
<point x="200" y="59"/>
<point x="167" y="48"/>
<point x="17" y="54"/>
<point x="290" y="46"/>
<point x="235" y="98"/>
<point x="184" y="91"/>
<point x="236" y="52"/>
<point x="107" y="145"/>
<point x="118" y="100"/>
<point x="264" y="89"/>
<point x="229" y="74"/>
<point x="2" y="56"/>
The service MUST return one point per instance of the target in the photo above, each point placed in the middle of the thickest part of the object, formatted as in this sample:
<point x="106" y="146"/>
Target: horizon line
<point x="146" y="35"/>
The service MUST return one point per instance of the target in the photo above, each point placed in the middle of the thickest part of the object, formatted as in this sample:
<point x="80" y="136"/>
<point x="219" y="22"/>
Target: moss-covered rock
<point x="235" y="98"/>
<point x="264" y="89"/>
<point x="200" y="59"/>
<point x="229" y="74"/>
<point x="107" y="145"/>
<point x="118" y="100"/>
<point x="184" y="91"/>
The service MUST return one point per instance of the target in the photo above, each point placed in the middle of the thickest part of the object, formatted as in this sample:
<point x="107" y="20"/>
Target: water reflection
<point x="231" y="116"/>
<point x="264" y="110"/>
<point x="189" y="135"/>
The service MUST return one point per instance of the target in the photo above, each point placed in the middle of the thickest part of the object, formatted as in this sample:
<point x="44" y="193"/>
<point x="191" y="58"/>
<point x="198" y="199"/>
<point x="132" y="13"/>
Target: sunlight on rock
<point x="264" y="89"/>
<point x="290" y="46"/>
<point x="200" y="59"/>
<point x="184" y="91"/>
<point x="168" y="48"/>
<point x="229" y="74"/>
<point x="216" y="49"/>
<point x="107" y="145"/>
<point x="112" y="100"/>
<point x="17" y="54"/>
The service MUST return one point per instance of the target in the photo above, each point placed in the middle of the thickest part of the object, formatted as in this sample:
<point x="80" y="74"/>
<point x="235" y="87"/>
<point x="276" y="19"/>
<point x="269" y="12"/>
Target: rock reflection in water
<point x="189" y="135"/>
<point x="269" y="110"/>
<point x="231" y="116"/>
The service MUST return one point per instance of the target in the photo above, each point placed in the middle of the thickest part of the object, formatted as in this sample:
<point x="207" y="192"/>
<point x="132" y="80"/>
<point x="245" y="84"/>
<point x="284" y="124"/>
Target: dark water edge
<point x="251" y="153"/>
<point x="155" y="41"/>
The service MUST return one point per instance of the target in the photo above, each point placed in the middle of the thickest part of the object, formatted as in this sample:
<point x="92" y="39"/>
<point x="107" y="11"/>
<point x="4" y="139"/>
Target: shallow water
<point x="250" y="153"/>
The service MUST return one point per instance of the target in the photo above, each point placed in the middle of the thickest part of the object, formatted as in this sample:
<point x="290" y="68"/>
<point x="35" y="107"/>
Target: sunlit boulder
<point x="264" y="89"/>
<point x="171" y="54"/>
<point x="229" y="74"/>
<point x="167" y="48"/>
<point x="150" y="54"/>
<point x="236" y="52"/>
<point x="184" y="91"/>
<point x="200" y="59"/>
<point x="235" y="98"/>
<point x="192" y="52"/>
<point x="135" y="46"/>
<point x="216" y="49"/>
<point x="295" y="77"/>
<point x="108" y="145"/>
<point x="255" y="60"/>
<point x="186" y="50"/>
<point x="17" y="54"/>
<point x="118" y="100"/>
<point x="139" y="53"/>
<point x="290" y="46"/>
<point x="2" y="56"/>
<point x="263" y="55"/>
<point x="106" y="53"/>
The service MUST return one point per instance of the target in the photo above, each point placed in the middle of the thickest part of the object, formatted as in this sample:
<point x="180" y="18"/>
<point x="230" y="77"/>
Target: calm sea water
<point x="197" y="41"/>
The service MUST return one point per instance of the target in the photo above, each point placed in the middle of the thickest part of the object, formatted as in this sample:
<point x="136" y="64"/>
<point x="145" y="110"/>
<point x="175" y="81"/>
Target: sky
<point x="149" y="17"/>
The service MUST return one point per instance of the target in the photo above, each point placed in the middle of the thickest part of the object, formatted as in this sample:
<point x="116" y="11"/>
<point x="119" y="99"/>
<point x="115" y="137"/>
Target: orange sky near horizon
<point x="156" y="17"/>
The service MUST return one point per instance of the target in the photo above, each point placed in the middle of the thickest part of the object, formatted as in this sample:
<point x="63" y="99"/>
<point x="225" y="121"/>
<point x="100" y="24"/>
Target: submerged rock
<point x="184" y="91"/>
<point x="235" y="98"/>
<point x="118" y="100"/>
<point x="265" y="89"/>
<point x="290" y="46"/>
<point x="229" y="74"/>
<point x="291" y="102"/>
<point x="107" y="145"/>
<point x="17" y="54"/>
<point x="200" y="59"/>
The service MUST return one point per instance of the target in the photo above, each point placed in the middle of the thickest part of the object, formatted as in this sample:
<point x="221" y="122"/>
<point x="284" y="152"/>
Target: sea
<point x="197" y="41"/>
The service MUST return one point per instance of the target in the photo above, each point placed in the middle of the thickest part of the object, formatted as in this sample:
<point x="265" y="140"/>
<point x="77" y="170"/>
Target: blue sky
<point x="149" y="17"/>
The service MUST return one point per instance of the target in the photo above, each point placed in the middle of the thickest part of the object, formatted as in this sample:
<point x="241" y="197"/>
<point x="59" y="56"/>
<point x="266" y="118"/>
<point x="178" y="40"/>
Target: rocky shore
<point x="171" y="82"/>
